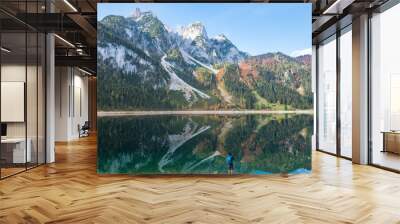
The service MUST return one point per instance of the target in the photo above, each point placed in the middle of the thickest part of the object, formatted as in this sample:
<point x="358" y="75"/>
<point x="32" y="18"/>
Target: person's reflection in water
<point x="229" y="162"/>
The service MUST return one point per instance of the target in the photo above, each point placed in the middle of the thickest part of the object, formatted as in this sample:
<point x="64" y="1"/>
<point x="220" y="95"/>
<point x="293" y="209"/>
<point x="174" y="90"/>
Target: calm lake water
<point x="198" y="144"/>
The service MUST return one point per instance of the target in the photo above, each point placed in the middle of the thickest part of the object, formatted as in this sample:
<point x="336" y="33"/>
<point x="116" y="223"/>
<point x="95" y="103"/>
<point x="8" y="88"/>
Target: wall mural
<point x="204" y="88"/>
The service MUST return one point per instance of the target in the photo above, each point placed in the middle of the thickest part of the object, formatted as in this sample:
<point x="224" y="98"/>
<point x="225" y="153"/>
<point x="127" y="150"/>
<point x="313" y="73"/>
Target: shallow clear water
<point x="199" y="144"/>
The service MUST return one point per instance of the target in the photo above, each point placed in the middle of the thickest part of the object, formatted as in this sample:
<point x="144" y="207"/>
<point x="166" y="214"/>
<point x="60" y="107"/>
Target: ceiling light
<point x="338" y="6"/>
<point x="84" y="71"/>
<point x="64" y="40"/>
<point x="70" y="5"/>
<point x="5" y="50"/>
<point x="330" y="8"/>
<point x="79" y="51"/>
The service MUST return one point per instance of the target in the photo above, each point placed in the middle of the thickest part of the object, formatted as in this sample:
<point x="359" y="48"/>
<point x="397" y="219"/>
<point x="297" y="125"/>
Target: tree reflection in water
<point x="198" y="144"/>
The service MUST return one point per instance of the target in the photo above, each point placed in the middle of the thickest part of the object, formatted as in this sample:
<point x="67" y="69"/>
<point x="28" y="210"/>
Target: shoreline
<point x="198" y="112"/>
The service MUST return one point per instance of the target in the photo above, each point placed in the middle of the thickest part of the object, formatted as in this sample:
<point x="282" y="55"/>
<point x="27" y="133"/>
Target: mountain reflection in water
<point x="199" y="144"/>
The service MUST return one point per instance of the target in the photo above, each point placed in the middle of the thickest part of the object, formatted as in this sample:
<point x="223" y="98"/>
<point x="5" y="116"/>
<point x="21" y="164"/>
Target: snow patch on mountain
<point x="192" y="38"/>
<point x="117" y="53"/>
<point x="177" y="83"/>
<point x="129" y="32"/>
<point x="220" y="38"/>
<point x="187" y="57"/>
<point x="232" y="55"/>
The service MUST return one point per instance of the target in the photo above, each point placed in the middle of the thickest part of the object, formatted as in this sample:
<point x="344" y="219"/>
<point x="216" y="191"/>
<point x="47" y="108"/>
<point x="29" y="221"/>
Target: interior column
<point x="360" y="90"/>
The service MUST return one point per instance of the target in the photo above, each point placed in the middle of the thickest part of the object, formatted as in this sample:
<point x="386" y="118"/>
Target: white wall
<point x="33" y="126"/>
<point x="71" y="102"/>
<point x="12" y="73"/>
<point x="16" y="73"/>
<point x="13" y="100"/>
<point x="80" y="110"/>
<point x="62" y="82"/>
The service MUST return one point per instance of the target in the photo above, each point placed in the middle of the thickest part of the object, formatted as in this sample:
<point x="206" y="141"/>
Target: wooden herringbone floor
<point x="70" y="191"/>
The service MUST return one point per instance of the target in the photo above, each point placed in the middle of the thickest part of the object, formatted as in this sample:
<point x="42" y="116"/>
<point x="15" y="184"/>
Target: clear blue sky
<point x="255" y="28"/>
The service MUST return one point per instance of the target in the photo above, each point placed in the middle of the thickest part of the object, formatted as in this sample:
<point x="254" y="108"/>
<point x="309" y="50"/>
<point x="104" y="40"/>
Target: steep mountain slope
<point x="142" y="64"/>
<point x="279" y="78"/>
<point x="305" y="59"/>
<point x="208" y="50"/>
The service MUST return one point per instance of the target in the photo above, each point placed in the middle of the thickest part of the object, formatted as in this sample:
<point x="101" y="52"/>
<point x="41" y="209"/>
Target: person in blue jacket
<point x="229" y="162"/>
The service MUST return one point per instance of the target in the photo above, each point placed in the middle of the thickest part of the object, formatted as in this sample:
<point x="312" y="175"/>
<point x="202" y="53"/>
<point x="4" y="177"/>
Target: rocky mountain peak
<point x="138" y="14"/>
<point x="220" y="38"/>
<point x="193" y="31"/>
<point x="305" y="59"/>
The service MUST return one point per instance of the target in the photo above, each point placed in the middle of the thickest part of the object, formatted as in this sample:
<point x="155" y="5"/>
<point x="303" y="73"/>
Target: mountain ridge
<point x="156" y="67"/>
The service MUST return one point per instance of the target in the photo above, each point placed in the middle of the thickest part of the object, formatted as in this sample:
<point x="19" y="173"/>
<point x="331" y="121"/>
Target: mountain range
<point x="143" y="64"/>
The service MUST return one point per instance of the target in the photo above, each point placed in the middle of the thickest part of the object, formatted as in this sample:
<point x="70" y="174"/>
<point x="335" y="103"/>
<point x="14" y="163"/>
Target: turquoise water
<point x="198" y="144"/>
